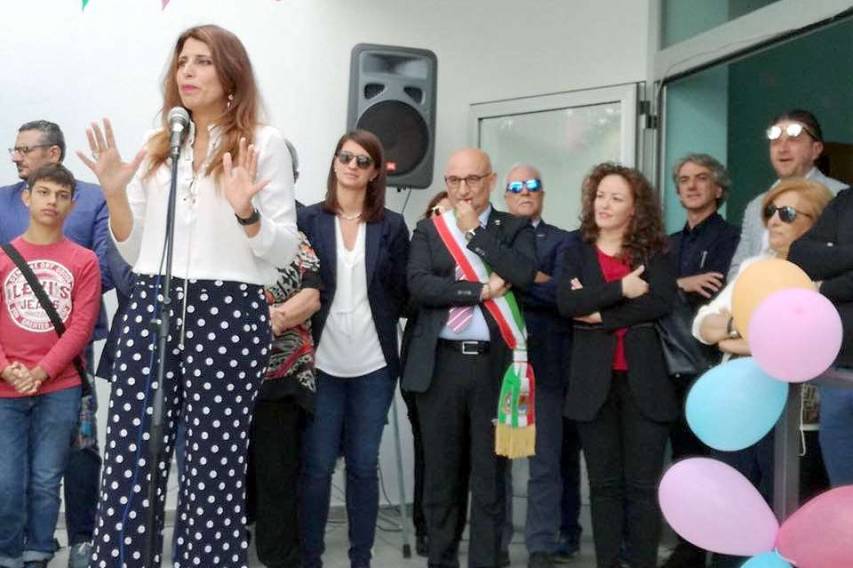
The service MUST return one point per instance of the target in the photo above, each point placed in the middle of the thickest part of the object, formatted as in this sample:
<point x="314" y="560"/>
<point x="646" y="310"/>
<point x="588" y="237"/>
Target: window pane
<point x="683" y="19"/>
<point x="563" y="144"/>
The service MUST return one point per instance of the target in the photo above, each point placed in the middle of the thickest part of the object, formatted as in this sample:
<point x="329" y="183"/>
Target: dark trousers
<point x="456" y="414"/>
<point x="273" y="481"/>
<point x="624" y="455"/>
<point x="545" y="484"/>
<point x="82" y="476"/>
<point x="210" y="387"/>
<point x="418" y="518"/>
<point x="570" y="498"/>
<point x="349" y="416"/>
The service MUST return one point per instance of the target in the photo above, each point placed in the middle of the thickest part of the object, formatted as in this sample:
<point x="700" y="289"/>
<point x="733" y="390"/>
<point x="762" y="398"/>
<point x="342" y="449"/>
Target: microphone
<point x="179" y="120"/>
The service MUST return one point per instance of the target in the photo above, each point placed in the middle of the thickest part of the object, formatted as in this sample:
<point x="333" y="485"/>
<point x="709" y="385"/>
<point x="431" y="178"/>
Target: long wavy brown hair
<point x="235" y="73"/>
<point x="644" y="236"/>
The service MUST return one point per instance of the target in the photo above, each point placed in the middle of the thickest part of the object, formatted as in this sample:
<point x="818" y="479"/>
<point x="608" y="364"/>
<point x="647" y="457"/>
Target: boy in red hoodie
<point x="40" y="387"/>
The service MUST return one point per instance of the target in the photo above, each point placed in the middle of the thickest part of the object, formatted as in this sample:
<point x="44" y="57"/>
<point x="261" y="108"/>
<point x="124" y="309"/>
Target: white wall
<point x="73" y="66"/>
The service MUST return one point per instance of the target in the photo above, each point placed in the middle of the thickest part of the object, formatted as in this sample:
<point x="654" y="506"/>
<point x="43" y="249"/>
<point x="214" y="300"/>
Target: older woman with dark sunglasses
<point x="790" y="209"/>
<point x="363" y="251"/>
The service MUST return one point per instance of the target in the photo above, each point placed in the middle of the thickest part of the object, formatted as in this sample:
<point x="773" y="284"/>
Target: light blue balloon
<point x="766" y="560"/>
<point x="733" y="405"/>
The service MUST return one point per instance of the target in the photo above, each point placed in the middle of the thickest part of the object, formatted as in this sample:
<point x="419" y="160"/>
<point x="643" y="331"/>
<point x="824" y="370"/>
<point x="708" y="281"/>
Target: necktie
<point x="460" y="316"/>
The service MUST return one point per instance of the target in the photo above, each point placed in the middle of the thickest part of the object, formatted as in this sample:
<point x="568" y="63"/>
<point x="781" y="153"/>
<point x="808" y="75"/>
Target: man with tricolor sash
<point x="467" y="360"/>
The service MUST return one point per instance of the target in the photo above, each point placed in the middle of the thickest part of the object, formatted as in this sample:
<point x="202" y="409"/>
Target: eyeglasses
<point x="532" y="185"/>
<point x="787" y="214"/>
<point x="363" y="162"/>
<point x="471" y="181"/>
<point x="793" y="129"/>
<point x="24" y="150"/>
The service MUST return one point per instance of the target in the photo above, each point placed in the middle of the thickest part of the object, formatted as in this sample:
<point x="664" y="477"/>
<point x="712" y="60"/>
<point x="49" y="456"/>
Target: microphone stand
<point x="156" y="442"/>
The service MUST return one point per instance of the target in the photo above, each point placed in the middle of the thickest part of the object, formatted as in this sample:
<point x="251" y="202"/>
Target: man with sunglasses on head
<point x="457" y="356"/>
<point x="37" y="144"/>
<point x="796" y="142"/>
<point x="549" y="344"/>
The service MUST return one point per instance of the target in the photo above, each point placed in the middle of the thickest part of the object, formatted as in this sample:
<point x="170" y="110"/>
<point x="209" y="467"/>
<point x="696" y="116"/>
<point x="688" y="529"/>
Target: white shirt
<point x="723" y="300"/>
<point x="209" y="243"/>
<point x="349" y="345"/>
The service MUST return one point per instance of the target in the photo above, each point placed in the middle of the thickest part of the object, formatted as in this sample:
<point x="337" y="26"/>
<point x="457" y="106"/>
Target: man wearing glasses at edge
<point x="796" y="142"/>
<point x="549" y="342"/>
<point x="40" y="142"/>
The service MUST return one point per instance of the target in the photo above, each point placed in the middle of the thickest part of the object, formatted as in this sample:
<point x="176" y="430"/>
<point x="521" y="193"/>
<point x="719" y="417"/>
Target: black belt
<point x="465" y="347"/>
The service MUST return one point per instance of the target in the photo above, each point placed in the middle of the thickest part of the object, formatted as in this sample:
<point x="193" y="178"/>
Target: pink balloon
<point x="716" y="508"/>
<point x="820" y="533"/>
<point x="795" y="334"/>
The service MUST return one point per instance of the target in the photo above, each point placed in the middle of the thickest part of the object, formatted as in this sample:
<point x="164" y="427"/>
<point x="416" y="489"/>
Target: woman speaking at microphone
<point x="234" y="222"/>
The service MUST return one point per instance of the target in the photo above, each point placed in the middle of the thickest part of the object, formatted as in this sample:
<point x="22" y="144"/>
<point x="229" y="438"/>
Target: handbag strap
<point x="47" y="306"/>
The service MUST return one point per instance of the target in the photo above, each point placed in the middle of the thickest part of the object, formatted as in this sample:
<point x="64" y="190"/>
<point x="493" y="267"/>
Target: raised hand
<point x="238" y="180"/>
<point x="113" y="174"/>
<point x="466" y="217"/>
<point x="632" y="285"/>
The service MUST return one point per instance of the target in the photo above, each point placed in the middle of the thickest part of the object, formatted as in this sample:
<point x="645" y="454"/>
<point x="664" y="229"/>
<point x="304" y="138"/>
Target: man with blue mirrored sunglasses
<point x="552" y="502"/>
<point x="532" y="185"/>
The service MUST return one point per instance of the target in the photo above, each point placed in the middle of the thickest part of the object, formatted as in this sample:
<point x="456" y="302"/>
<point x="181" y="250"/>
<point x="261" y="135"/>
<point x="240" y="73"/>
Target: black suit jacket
<point x="386" y="252"/>
<point x="591" y="370"/>
<point x="506" y="245"/>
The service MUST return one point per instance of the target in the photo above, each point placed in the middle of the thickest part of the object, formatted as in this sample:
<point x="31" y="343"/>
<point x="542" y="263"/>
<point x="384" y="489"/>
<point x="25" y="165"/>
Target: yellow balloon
<point x="759" y="280"/>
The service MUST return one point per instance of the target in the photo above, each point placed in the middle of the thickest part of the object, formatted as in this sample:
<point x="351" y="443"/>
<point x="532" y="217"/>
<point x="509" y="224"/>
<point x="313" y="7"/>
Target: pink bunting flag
<point x="165" y="3"/>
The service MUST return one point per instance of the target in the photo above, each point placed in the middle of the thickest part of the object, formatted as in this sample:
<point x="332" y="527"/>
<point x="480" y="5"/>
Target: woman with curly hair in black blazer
<point x="615" y="285"/>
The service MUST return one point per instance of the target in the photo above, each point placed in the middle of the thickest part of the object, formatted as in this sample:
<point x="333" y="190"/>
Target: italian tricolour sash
<point x="515" y="434"/>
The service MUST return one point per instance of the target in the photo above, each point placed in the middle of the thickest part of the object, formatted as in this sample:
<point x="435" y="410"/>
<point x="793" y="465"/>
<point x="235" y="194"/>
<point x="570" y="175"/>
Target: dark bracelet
<point x="251" y="219"/>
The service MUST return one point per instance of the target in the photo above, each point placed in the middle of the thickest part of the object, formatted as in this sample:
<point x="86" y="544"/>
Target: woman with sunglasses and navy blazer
<point x="363" y="250"/>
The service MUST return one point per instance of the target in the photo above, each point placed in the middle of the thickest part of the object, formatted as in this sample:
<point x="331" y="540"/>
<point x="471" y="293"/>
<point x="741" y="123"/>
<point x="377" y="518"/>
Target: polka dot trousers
<point x="214" y="364"/>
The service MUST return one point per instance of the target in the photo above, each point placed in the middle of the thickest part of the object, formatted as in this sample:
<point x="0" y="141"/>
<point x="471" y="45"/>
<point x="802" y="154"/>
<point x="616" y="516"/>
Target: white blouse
<point x="723" y="300"/>
<point x="209" y="243"/>
<point x="349" y="345"/>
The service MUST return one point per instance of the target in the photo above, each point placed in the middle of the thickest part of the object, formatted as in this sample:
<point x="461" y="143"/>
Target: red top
<point x="614" y="268"/>
<point x="69" y="274"/>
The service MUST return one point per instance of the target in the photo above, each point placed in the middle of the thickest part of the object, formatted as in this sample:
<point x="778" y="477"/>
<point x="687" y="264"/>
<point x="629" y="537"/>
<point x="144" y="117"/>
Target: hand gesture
<point x="633" y="286"/>
<point x="113" y="174"/>
<point x="594" y="317"/>
<point x="238" y="180"/>
<point x="21" y="379"/>
<point x="466" y="217"/>
<point x="706" y="285"/>
<point x="278" y="320"/>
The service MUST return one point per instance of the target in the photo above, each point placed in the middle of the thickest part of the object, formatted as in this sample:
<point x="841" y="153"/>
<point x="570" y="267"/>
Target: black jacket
<point x="386" y="252"/>
<point x="505" y="245"/>
<point x="593" y="346"/>
<point x="826" y="254"/>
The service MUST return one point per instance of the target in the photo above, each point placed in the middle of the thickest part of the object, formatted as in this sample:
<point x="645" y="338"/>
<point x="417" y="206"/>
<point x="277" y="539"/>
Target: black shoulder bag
<point x="683" y="353"/>
<point x="48" y="308"/>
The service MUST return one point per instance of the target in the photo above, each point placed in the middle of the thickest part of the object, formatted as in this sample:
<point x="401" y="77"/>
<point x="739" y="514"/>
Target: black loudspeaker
<point x="392" y="94"/>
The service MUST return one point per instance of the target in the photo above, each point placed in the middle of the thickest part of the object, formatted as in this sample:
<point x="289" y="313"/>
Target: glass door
<point x="563" y="135"/>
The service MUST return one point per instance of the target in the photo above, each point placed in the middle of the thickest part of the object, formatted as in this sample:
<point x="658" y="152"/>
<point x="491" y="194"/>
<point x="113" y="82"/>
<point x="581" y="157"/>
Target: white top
<point x="723" y="300"/>
<point x="209" y="243"/>
<point x="349" y="345"/>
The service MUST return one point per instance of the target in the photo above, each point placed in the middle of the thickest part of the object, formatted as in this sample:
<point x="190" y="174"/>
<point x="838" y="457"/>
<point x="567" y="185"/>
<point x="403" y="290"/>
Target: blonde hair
<point x="815" y="196"/>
